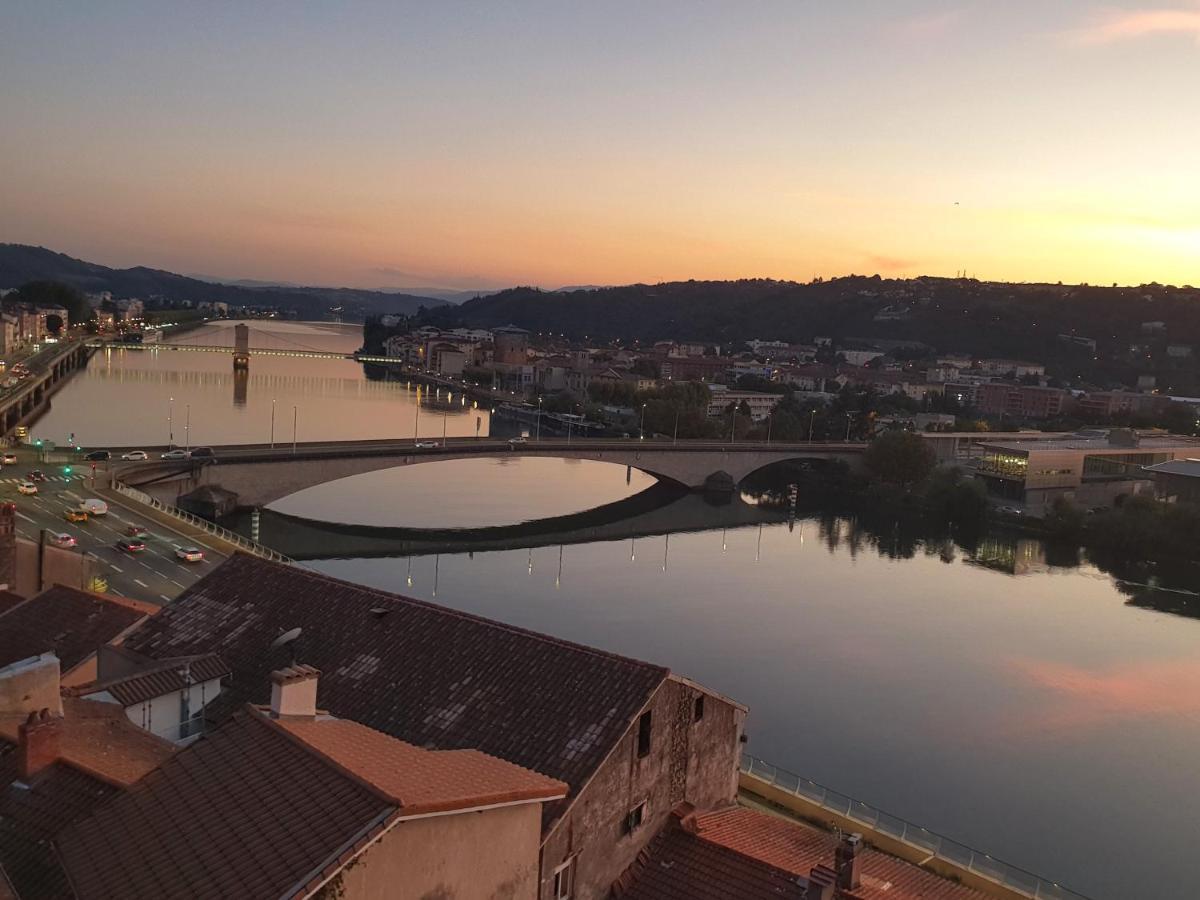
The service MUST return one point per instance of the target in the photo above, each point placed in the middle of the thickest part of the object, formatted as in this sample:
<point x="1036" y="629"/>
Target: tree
<point x="55" y="293"/>
<point x="900" y="457"/>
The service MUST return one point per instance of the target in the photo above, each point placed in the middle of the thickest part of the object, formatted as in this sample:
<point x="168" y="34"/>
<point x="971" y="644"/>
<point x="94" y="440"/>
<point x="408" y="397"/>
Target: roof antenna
<point x="288" y="638"/>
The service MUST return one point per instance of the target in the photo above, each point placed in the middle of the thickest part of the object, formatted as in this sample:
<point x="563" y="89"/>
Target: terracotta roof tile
<point x="420" y="780"/>
<point x="97" y="738"/>
<point x="70" y="622"/>
<point x="31" y="814"/>
<point x="797" y="848"/>
<point x="157" y="679"/>
<point x="247" y="811"/>
<point x="428" y="675"/>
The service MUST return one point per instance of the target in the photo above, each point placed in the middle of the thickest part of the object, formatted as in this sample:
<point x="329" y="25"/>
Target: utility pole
<point x="642" y="426"/>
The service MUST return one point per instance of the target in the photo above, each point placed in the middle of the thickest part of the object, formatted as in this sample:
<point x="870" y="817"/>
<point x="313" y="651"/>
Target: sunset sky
<point x="485" y="144"/>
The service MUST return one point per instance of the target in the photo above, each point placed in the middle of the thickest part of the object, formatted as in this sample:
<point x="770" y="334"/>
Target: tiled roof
<point x="428" y="675"/>
<point x="70" y="622"/>
<point x="796" y="848"/>
<point x="32" y="814"/>
<point x="162" y="677"/>
<point x="678" y="865"/>
<point x="420" y="781"/>
<point x="97" y="738"/>
<point x="247" y="811"/>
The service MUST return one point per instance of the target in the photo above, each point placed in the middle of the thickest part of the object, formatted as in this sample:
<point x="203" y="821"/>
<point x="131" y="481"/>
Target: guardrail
<point x="920" y="839"/>
<point x="231" y="537"/>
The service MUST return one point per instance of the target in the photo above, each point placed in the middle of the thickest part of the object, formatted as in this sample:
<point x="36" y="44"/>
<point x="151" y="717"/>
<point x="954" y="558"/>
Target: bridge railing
<point x="230" y="537"/>
<point x="921" y="840"/>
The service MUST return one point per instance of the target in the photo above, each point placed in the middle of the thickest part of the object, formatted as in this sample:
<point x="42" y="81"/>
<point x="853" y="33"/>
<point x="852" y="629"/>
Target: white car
<point x="518" y="440"/>
<point x="135" y="455"/>
<point x="174" y="454"/>
<point x="189" y="554"/>
<point x="10" y="459"/>
<point x="62" y="540"/>
<point x="427" y="445"/>
<point x="27" y="487"/>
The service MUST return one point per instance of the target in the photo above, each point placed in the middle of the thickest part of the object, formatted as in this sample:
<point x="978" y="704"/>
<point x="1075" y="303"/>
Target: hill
<point x="20" y="263"/>
<point x="985" y="319"/>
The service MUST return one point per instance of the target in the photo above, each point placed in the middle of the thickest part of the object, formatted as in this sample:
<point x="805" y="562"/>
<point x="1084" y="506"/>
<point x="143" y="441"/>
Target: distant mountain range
<point x="20" y="263"/>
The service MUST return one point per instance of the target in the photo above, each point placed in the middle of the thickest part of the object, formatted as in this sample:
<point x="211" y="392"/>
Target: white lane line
<point x="174" y="582"/>
<point x="165" y="597"/>
<point x="140" y="583"/>
<point x="116" y="568"/>
<point x="26" y="518"/>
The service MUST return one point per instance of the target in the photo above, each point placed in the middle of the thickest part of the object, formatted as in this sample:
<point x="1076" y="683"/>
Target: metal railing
<point x="230" y="537"/>
<point x="920" y="839"/>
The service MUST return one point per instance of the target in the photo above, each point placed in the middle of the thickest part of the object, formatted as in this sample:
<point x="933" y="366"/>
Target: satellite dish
<point x="286" y="638"/>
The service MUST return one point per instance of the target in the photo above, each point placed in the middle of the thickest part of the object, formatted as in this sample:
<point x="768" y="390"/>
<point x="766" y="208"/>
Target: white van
<point x="94" y="507"/>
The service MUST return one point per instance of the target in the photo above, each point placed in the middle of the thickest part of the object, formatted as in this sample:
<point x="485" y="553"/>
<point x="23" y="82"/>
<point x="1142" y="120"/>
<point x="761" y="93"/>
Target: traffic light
<point x="66" y="470"/>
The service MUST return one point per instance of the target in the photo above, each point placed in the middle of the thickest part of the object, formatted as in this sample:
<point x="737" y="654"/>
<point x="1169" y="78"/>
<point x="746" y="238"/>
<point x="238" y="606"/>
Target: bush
<point x="900" y="458"/>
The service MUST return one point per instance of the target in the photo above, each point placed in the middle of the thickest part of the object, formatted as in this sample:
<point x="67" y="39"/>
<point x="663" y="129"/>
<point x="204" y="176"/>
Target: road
<point x="153" y="575"/>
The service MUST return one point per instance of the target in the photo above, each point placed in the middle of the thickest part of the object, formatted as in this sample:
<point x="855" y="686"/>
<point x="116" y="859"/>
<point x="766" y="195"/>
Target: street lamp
<point x="187" y="429"/>
<point x="272" y="424"/>
<point x="539" y="420"/>
<point x="171" y="422"/>
<point x="295" y="416"/>
<point x="811" y="417"/>
<point x="675" y="436"/>
<point x="417" y="417"/>
<point x="642" y="426"/>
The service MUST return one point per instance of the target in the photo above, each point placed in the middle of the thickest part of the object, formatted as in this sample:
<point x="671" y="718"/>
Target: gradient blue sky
<point x="482" y="144"/>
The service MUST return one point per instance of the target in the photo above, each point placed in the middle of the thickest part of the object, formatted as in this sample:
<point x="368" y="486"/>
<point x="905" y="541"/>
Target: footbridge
<point x="261" y="475"/>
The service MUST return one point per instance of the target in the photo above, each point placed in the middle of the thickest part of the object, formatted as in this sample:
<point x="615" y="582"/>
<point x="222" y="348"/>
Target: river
<point x="1034" y="710"/>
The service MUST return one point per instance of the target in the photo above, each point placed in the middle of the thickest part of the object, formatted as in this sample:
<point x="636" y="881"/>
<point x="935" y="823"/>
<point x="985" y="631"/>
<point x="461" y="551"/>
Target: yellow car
<point x="75" y="515"/>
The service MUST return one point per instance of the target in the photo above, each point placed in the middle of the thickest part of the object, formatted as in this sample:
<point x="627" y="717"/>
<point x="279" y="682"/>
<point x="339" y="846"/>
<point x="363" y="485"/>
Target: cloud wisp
<point x="1127" y="25"/>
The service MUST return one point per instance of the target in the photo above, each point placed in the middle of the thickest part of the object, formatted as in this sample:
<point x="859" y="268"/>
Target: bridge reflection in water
<point x="660" y="510"/>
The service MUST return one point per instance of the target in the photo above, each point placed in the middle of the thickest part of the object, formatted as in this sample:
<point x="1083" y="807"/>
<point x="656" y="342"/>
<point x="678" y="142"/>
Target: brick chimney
<point x="294" y="691"/>
<point x="822" y="884"/>
<point x="8" y="546"/>
<point x="848" y="862"/>
<point x="37" y="743"/>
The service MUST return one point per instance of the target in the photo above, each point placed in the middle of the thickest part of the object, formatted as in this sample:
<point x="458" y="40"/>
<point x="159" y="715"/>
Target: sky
<point x="477" y="145"/>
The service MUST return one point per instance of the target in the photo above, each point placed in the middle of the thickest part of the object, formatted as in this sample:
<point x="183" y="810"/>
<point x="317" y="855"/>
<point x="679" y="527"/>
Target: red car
<point x="131" y="545"/>
<point x="136" y="531"/>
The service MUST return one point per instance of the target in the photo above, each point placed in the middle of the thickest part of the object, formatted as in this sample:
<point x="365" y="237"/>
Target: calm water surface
<point x="1028" y="710"/>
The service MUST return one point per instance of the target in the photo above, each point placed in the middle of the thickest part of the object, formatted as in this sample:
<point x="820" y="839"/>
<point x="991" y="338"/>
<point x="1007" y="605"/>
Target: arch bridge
<point x="260" y="475"/>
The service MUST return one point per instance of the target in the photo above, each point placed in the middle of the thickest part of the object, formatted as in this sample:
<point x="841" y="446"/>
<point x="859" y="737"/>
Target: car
<point x="189" y="554"/>
<point x="174" y="454"/>
<point x="202" y="453"/>
<point x="94" y="507"/>
<point x="10" y="459"/>
<point x="518" y="440"/>
<point x="37" y="475"/>
<point x="427" y="445"/>
<point x="75" y="515"/>
<point x="1012" y="510"/>
<point x="62" y="539"/>
<point x="98" y="456"/>
<point x="137" y="455"/>
<point x="137" y="531"/>
<point x="131" y="545"/>
<point x="27" y="487"/>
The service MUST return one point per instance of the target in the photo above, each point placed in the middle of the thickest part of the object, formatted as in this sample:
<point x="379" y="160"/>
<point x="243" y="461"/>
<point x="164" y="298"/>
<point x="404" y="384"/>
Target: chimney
<point x="8" y="546"/>
<point x="29" y="685"/>
<point x="37" y="743"/>
<point x="294" y="691"/>
<point x="848" y="862"/>
<point x="822" y="884"/>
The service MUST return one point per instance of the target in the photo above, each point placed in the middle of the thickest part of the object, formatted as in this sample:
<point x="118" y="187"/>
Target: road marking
<point x="174" y="582"/>
<point x="117" y="569"/>
<point x="140" y="583"/>
<point x="165" y="597"/>
<point x="26" y="518"/>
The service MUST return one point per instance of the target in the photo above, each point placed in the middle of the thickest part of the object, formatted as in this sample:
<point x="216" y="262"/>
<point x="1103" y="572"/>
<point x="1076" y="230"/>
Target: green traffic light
<point x="66" y="470"/>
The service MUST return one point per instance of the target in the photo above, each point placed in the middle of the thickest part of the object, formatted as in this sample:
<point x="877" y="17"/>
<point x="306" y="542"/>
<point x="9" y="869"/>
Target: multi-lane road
<point x="154" y="574"/>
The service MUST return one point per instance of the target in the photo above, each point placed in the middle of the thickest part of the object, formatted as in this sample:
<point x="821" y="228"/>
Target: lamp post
<point x="849" y="420"/>
<point x="675" y="435"/>
<point x="445" y="416"/>
<point x="272" y="424"/>
<point x="770" y="423"/>
<point x="642" y="426"/>
<point x="295" y="417"/>
<point x="187" y="428"/>
<point x="171" y="422"/>
<point x="539" y="420"/>
<point x="811" y="417"/>
<point x="417" y="417"/>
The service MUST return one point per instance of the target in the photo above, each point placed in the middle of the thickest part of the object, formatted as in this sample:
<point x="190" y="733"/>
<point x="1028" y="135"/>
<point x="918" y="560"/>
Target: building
<point x="741" y="853"/>
<point x="446" y="359"/>
<point x="695" y="368"/>
<point x="1106" y="404"/>
<point x="1177" y="480"/>
<point x="1020" y="401"/>
<point x="860" y="357"/>
<point x="1010" y="368"/>
<point x="630" y="740"/>
<point x="511" y="345"/>
<point x="1088" y="471"/>
<point x="760" y="404"/>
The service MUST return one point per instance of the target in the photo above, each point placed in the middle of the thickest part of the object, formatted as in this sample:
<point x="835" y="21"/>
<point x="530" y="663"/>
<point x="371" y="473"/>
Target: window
<point x="635" y="817"/>
<point x="644" y="735"/>
<point x="564" y="880"/>
<point x="698" y="709"/>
